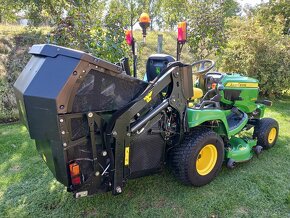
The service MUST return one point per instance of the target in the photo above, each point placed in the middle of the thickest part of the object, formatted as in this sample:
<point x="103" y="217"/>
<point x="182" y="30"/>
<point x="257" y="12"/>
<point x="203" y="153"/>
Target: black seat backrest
<point x="156" y="63"/>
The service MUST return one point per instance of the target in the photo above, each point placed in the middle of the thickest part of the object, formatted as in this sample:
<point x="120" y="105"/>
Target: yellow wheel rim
<point x="206" y="159"/>
<point x="272" y="135"/>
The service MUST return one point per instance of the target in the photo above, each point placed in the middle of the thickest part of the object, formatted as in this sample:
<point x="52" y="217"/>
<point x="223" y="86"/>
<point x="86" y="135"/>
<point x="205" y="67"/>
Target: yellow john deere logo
<point x="148" y="97"/>
<point x="242" y="85"/>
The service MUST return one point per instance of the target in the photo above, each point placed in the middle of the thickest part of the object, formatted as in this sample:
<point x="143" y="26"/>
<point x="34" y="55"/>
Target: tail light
<point x="75" y="173"/>
<point x="129" y="37"/>
<point x="182" y="32"/>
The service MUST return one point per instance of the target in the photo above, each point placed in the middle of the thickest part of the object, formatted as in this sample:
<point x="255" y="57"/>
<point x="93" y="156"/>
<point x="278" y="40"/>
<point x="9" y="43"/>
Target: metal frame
<point x="123" y="132"/>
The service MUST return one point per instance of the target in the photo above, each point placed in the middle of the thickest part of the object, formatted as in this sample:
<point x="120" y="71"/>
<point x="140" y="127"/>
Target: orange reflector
<point x="182" y="32"/>
<point x="75" y="173"/>
<point x="129" y="37"/>
<point x="213" y="86"/>
<point x="144" y="18"/>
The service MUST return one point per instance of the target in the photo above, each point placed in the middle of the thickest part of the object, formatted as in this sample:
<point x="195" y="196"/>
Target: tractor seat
<point x="197" y="93"/>
<point x="155" y="64"/>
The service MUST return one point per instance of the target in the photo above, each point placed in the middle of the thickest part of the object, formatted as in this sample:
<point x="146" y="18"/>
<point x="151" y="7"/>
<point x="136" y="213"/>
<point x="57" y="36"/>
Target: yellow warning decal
<point x="127" y="154"/>
<point x="148" y="97"/>
<point x="44" y="158"/>
<point x="242" y="85"/>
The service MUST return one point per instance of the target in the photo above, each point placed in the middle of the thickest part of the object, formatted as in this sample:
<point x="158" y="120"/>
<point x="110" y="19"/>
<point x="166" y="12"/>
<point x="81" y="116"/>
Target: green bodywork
<point x="241" y="149"/>
<point x="248" y="95"/>
<point x="196" y="117"/>
<point x="238" y="149"/>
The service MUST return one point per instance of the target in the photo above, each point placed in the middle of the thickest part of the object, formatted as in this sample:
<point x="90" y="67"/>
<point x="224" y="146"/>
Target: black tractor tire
<point x="185" y="156"/>
<point x="262" y="132"/>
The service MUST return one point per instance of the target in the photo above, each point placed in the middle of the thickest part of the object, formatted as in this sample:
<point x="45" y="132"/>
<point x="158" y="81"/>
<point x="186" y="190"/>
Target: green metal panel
<point x="249" y="91"/>
<point x="262" y="109"/>
<point x="197" y="117"/>
<point x="240" y="149"/>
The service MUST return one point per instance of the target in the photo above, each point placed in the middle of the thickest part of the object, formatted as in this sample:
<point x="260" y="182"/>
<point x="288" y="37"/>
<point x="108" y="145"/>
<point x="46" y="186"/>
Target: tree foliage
<point x="85" y="29"/>
<point x="268" y="12"/>
<point x="259" y="50"/>
<point x="8" y="10"/>
<point x="206" y="28"/>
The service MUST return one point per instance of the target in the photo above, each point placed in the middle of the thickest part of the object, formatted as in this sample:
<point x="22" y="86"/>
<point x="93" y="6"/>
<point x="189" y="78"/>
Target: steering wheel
<point x="203" y="68"/>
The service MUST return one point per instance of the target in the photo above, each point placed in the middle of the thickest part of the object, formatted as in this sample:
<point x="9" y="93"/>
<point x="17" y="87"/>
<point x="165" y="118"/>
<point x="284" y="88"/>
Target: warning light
<point x="144" y="22"/>
<point x="75" y="173"/>
<point x="129" y="37"/>
<point x="144" y="18"/>
<point x="182" y="32"/>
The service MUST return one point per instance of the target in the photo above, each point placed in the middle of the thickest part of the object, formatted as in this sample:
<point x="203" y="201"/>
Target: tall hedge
<point x="259" y="50"/>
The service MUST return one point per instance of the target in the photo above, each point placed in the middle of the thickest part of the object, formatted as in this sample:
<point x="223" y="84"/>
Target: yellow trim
<point x="148" y="97"/>
<point x="190" y="104"/>
<point x="127" y="154"/>
<point x="206" y="159"/>
<point x="44" y="158"/>
<point x="242" y="85"/>
<point x="272" y="135"/>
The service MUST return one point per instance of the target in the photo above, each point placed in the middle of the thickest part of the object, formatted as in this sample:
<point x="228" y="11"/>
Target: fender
<point x="197" y="117"/>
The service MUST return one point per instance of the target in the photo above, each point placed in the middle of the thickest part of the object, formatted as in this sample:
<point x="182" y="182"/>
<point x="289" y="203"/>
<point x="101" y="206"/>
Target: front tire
<point x="266" y="132"/>
<point x="199" y="158"/>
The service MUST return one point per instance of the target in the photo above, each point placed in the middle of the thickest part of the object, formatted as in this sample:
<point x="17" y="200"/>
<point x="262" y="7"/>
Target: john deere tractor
<point x="96" y="126"/>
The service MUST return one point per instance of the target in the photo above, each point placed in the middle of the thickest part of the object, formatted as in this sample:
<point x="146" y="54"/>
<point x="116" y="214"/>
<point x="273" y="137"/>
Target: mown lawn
<point x="259" y="188"/>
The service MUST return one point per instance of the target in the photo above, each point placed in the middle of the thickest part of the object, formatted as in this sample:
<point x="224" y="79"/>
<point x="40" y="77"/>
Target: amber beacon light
<point x="144" y="22"/>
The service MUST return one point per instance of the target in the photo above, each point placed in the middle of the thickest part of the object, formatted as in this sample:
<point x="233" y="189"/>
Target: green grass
<point x="258" y="188"/>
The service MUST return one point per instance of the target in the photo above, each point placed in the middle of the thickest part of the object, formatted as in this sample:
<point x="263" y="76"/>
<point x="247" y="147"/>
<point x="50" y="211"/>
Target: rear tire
<point x="199" y="158"/>
<point x="266" y="132"/>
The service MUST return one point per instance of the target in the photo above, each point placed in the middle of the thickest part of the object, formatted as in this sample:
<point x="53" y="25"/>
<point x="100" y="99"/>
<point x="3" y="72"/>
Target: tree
<point x="230" y="8"/>
<point x="206" y="28"/>
<point x="269" y="12"/>
<point x="173" y="11"/>
<point x="8" y="10"/>
<point x="258" y="50"/>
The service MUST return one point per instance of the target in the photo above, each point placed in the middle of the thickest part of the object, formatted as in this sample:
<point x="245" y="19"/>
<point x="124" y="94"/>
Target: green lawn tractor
<point x="96" y="126"/>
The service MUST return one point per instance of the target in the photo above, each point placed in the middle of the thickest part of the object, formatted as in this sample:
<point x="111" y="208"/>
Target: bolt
<point x="64" y="144"/>
<point x="84" y="71"/>
<point x="118" y="189"/>
<point x="90" y="114"/>
<point x="176" y="74"/>
<point x="172" y="100"/>
<point x="61" y="120"/>
<point x="96" y="66"/>
<point x="97" y="173"/>
<point x="63" y="132"/>
<point x="75" y="73"/>
<point x="115" y="133"/>
<point x="61" y="107"/>
<point x="128" y="134"/>
<point x="104" y="153"/>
